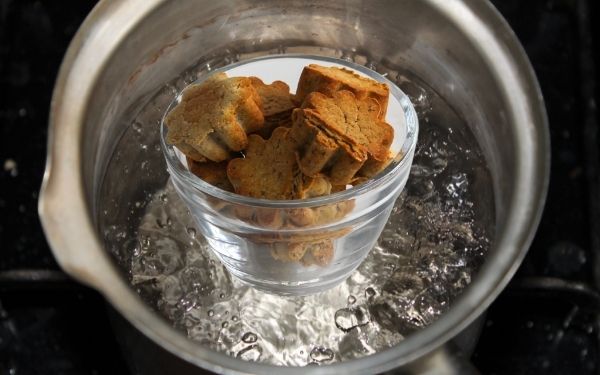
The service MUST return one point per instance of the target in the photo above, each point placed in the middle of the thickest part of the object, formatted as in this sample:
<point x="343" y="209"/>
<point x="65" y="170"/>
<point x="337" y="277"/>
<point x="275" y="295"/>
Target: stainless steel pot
<point x="126" y="50"/>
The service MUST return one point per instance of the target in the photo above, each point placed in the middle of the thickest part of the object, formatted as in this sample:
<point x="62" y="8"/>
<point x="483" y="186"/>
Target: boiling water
<point x="436" y="238"/>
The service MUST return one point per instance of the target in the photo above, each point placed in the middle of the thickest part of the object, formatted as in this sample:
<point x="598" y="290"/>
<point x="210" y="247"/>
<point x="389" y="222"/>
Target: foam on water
<point x="436" y="238"/>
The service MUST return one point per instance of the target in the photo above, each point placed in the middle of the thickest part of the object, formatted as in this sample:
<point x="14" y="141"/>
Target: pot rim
<point x="70" y="231"/>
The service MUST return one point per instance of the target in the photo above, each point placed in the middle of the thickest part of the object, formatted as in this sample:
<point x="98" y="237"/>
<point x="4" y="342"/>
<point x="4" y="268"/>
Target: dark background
<point x="546" y="322"/>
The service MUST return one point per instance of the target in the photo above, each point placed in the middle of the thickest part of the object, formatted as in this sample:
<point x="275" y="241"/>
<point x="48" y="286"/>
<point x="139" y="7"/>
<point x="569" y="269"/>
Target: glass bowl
<point x="297" y="247"/>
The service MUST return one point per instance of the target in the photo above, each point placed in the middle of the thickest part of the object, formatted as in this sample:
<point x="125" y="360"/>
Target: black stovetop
<point x="545" y="322"/>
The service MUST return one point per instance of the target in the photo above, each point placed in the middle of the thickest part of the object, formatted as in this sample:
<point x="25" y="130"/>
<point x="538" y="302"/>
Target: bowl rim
<point x="401" y="161"/>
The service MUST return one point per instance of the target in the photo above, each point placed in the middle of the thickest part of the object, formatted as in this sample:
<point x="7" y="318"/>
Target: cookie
<point x="211" y="172"/>
<point x="270" y="171"/>
<point x="277" y="105"/>
<point x="318" y="253"/>
<point x="328" y="80"/>
<point x="288" y="252"/>
<point x="309" y="253"/>
<point x="214" y="117"/>
<point x="337" y="135"/>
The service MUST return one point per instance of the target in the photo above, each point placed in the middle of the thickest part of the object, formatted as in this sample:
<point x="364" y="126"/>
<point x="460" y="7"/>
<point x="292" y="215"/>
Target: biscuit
<point x="332" y="212"/>
<point x="277" y="105"/>
<point x="288" y="252"/>
<point x="270" y="171"/>
<point x="276" y="97"/>
<point x="318" y="252"/>
<point x="310" y="187"/>
<point x="301" y="217"/>
<point x="328" y="80"/>
<point x="319" y="150"/>
<point x="214" y="117"/>
<point x="309" y="253"/>
<point x="337" y="135"/>
<point x="211" y="172"/>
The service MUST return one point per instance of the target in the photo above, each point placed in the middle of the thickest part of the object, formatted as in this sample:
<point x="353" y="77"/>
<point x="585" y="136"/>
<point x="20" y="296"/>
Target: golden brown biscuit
<point x="214" y="117"/>
<point x="318" y="252"/>
<point x="288" y="252"/>
<point x="277" y="105"/>
<point x="329" y="80"/>
<point x="269" y="170"/>
<point x="276" y="98"/>
<point x="337" y="135"/>
<point x="308" y="253"/>
<point x="301" y="217"/>
<point x="190" y="152"/>
<point x="310" y="187"/>
<point x="319" y="151"/>
<point x="211" y="172"/>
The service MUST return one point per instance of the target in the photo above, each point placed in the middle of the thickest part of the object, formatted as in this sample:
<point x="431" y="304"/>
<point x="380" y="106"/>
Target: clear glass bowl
<point x="296" y="247"/>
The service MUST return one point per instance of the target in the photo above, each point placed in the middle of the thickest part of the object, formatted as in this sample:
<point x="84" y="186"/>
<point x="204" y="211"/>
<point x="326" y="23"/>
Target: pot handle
<point x="69" y="231"/>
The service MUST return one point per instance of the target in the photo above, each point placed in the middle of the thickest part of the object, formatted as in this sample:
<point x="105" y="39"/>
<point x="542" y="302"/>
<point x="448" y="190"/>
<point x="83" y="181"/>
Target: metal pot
<point x="126" y="50"/>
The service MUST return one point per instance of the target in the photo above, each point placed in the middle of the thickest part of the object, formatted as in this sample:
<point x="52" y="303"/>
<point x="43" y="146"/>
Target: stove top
<point x="545" y="322"/>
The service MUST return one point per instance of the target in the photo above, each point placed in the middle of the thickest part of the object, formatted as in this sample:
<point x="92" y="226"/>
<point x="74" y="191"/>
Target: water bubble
<point x="225" y="325"/>
<point x="191" y="232"/>
<point x="210" y="313"/>
<point x="235" y="318"/>
<point x="458" y="185"/>
<point x="370" y="292"/>
<point x="249" y="337"/>
<point x="137" y="127"/>
<point x="348" y="318"/>
<point x="190" y="301"/>
<point x="347" y="56"/>
<point x="146" y="242"/>
<point x="161" y="224"/>
<point x="371" y="65"/>
<point x="251" y="353"/>
<point x="351" y="299"/>
<point x="321" y="354"/>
